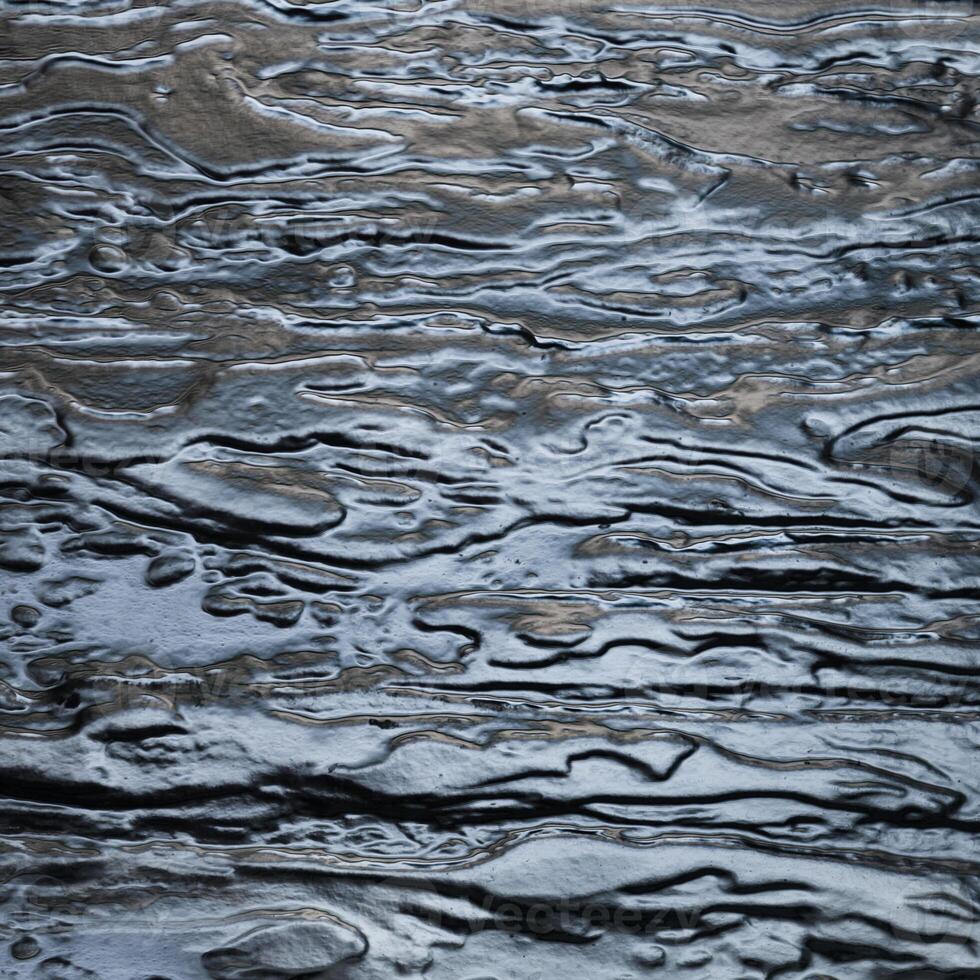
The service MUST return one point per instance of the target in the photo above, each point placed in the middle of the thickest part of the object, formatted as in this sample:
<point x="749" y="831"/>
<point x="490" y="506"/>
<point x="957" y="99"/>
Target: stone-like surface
<point x="488" y="489"/>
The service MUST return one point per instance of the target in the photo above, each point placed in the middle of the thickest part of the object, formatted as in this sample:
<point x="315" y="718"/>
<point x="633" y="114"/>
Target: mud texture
<point x="488" y="490"/>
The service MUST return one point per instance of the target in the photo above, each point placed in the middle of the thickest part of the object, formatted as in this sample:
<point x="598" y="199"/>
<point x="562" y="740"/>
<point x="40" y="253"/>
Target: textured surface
<point x="488" y="490"/>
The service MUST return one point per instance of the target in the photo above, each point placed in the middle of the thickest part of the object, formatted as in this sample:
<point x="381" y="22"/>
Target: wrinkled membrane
<point x="489" y="490"/>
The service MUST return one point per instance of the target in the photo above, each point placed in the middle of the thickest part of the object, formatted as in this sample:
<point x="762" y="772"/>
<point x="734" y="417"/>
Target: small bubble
<point x="107" y="258"/>
<point x="26" y="617"/>
<point x="166" y="300"/>
<point x="342" y="277"/>
<point x="25" y="948"/>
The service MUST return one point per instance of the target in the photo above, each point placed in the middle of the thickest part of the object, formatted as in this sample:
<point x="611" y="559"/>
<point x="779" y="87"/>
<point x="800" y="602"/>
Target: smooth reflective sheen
<point x="489" y="490"/>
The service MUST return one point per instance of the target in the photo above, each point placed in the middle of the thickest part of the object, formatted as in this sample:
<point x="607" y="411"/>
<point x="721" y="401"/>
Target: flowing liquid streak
<point x="489" y="490"/>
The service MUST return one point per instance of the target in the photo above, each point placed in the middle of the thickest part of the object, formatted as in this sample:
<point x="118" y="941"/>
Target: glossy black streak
<point x="489" y="489"/>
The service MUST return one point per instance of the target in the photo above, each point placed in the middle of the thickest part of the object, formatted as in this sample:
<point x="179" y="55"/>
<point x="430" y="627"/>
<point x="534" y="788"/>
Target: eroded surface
<point x="489" y="490"/>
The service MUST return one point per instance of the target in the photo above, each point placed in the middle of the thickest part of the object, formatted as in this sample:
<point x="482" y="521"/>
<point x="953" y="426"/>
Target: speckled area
<point x="488" y="490"/>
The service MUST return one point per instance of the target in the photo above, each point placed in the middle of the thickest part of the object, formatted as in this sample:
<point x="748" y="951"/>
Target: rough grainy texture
<point x="488" y="490"/>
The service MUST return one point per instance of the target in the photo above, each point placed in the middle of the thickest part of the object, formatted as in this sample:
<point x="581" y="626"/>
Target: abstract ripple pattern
<point x="489" y="489"/>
